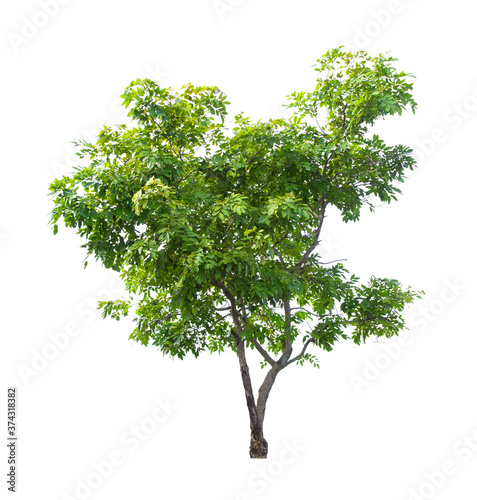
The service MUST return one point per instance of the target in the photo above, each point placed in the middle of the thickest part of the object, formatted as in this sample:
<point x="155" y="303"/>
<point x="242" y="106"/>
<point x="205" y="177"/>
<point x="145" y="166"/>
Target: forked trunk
<point x="256" y="411"/>
<point x="258" y="443"/>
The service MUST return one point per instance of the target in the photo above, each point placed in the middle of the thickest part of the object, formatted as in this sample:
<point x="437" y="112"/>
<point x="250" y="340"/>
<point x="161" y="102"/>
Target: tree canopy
<point x="215" y="230"/>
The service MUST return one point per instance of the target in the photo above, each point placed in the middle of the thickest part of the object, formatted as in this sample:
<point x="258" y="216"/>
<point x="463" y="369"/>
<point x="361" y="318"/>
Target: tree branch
<point x="280" y="258"/>
<point x="280" y="240"/>
<point x="233" y="307"/>
<point x="310" y="249"/>
<point x="263" y="352"/>
<point x="302" y="353"/>
<point x="288" y="344"/>
<point x="230" y="225"/>
<point x="369" y="318"/>
<point x="306" y="310"/>
<point x="332" y="261"/>
<point x="254" y="341"/>
<point x="264" y="391"/>
<point x="318" y="124"/>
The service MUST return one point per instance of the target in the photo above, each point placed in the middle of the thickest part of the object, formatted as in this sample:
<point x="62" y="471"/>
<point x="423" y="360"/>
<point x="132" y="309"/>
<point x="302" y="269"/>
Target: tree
<point x="216" y="232"/>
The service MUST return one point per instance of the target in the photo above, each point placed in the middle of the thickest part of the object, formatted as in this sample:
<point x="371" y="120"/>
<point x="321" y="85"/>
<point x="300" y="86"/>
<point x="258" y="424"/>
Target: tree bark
<point x="258" y="444"/>
<point x="264" y="391"/>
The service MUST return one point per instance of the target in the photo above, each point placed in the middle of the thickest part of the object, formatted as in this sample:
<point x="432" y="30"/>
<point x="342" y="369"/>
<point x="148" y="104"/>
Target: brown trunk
<point x="258" y="446"/>
<point x="258" y="443"/>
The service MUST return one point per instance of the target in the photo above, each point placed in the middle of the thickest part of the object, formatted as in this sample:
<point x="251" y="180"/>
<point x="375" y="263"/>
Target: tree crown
<point x="214" y="231"/>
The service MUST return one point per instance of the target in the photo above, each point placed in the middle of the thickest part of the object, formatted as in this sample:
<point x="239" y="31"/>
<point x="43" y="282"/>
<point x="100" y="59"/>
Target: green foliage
<point x="178" y="204"/>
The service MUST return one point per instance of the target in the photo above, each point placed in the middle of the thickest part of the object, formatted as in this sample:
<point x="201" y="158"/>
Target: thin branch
<point x="308" y="324"/>
<point x="302" y="353"/>
<point x="332" y="262"/>
<point x="233" y="303"/>
<point x="280" y="258"/>
<point x="275" y="249"/>
<point x="288" y="345"/>
<point x="230" y="225"/>
<point x="236" y="315"/>
<point x="345" y="108"/>
<point x="244" y="311"/>
<point x="280" y="240"/>
<point x="253" y="340"/>
<point x="263" y="352"/>
<point x="176" y="152"/>
<point x="319" y="126"/>
<point x="306" y="310"/>
<point x="369" y="318"/>
<point x="315" y="239"/>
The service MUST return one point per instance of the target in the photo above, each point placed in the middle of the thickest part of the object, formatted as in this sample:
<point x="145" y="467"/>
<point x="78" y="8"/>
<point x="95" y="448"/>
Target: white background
<point x="369" y="424"/>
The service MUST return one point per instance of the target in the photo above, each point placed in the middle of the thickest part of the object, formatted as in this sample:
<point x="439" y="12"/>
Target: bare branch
<point x="263" y="352"/>
<point x="306" y="310"/>
<point x="332" y="261"/>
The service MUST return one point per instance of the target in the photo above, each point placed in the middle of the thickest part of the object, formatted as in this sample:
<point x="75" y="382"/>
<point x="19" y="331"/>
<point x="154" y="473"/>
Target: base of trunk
<point x="258" y="447"/>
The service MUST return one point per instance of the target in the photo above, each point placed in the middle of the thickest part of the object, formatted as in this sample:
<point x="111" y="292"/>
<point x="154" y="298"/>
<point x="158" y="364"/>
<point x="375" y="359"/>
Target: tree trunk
<point x="258" y="445"/>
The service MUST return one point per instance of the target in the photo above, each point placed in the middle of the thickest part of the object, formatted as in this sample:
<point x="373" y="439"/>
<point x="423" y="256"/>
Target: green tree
<point x="216" y="232"/>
